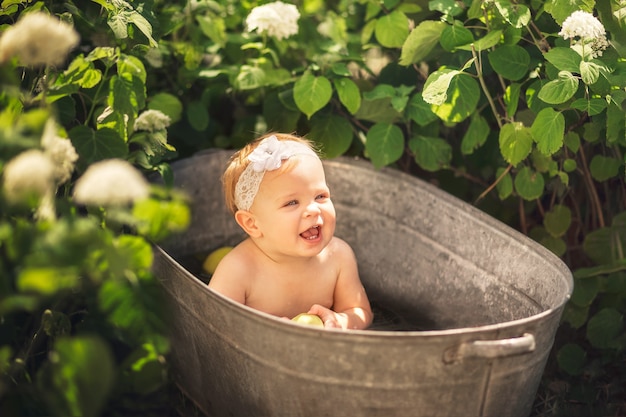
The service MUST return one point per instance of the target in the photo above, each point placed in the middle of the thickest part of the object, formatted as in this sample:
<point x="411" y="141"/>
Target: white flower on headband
<point x="268" y="156"/>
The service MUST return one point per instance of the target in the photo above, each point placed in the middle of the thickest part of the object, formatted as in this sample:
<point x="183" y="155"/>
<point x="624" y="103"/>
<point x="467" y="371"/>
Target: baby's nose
<point x="312" y="209"/>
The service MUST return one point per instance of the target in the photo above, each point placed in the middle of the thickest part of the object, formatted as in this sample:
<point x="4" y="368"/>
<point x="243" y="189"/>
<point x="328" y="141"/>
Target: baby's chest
<point x="288" y="296"/>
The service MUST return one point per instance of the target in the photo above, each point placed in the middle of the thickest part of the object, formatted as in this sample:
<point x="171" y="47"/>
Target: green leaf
<point x="614" y="271"/>
<point x="431" y="154"/>
<point x="593" y="106"/>
<point x="126" y="94"/>
<point x="349" y="94"/>
<point x="144" y="26"/>
<point x="144" y="369"/>
<point x="572" y="358"/>
<point x="462" y="98"/>
<point x="510" y="61"/>
<point x="455" y="35"/>
<point x="541" y="162"/>
<point x="558" y="220"/>
<point x="419" y="111"/>
<point x="81" y="375"/>
<point x="505" y="185"/>
<point x="491" y="39"/>
<point x="569" y="165"/>
<point x="376" y="111"/>
<point x="213" y="27"/>
<point x="368" y="30"/>
<point x="548" y="130"/>
<point x="572" y="141"/>
<point x="392" y="29"/>
<point x="515" y="142"/>
<point x="532" y="98"/>
<point x="476" y="134"/>
<point x="157" y="219"/>
<point x="311" y="93"/>
<point x="421" y="42"/>
<point x="198" y="116"/>
<point x="603" y="168"/>
<point x="95" y="145"/>
<point x="119" y="25"/>
<point x="278" y="116"/>
<point x="436" y="87"/>
<point x="561" y="9"/>
<point x="605" y="245"/>
<point x="167" y="104"/>
<point x="615" y="118"/>
<point x="604" y="327"/>
<point x="48" y="281"/>
<point x="380" y="91"/>
<point x="333" y="132"/>
<point x="529" y="184"/>
<point x="585" y="291"/>
<point x="575" y="316"/>
<point x="564" y="59"/>
<point x="590" y="72"/>
<point x="555" y="244"/>
<point x="276" y="77"/>
<point x="447" y="7"/>
<point x="136" y="251"/>
<point x="385" y="144"/>
<point x="129" y="66"/>
<point x="516" y="14"/>
<point x="560" y="90"/>
<point x="511" y="98"/>
<point x="249" y="78"/>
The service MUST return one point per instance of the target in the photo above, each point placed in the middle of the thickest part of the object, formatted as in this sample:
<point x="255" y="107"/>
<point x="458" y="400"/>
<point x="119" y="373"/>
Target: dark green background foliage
<point x="483" y="98"/>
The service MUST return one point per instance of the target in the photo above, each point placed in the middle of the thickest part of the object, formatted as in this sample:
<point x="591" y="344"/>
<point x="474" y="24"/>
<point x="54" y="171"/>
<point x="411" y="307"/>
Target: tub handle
<point x="490" y="349"/>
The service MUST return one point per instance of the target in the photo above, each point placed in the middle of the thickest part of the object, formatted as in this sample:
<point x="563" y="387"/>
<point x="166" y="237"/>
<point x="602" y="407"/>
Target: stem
<point x="96" y="96"/>
<point x="492" y="186"/>
<point x="595" y="200"/>
<point x="542" y="44"/>
<point x="481" y="79"/>
<point x="522" y="217"/>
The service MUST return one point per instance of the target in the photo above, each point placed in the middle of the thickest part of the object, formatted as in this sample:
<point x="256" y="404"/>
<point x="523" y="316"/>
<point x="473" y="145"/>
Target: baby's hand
<point x="331" y="319"/>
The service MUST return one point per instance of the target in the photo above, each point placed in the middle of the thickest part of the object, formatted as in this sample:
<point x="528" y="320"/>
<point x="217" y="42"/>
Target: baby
<point x="291" y="262"/>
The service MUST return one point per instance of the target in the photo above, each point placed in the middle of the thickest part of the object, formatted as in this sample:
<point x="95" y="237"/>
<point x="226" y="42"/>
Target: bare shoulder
<point x="340" y="248"/>
<point x="233" y="270"/>
<point x="341" y="244"/>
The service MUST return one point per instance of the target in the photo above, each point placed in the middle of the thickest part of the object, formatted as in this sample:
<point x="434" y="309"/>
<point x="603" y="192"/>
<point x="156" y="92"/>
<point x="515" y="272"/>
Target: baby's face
<point x="293" y="207"/>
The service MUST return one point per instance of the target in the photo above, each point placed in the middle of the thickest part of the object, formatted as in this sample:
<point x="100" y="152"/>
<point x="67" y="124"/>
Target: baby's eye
<point x="291" y="203"/>
<point x="322" y="197"/>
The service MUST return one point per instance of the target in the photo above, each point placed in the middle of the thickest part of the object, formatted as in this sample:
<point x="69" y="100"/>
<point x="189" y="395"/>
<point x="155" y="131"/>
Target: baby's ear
<point x="246" y="221"/>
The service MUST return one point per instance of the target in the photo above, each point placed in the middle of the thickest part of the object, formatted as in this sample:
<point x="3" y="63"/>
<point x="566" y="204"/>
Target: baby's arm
<point x="351" y="308"/>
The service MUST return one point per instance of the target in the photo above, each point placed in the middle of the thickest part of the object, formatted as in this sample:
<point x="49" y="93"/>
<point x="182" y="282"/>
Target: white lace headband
<point x="268" y="156"/>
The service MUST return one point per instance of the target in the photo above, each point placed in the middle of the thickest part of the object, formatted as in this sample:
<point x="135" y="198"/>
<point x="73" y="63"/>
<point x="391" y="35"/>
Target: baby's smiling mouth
<point x="311" y="233"/>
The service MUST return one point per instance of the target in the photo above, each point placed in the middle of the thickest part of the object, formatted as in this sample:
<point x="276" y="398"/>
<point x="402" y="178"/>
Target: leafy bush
<point x="517" y="107"/>
<point x="82" y="322"/>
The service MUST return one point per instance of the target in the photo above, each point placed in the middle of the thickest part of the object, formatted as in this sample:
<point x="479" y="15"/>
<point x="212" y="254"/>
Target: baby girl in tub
<point x="291" y="262"/>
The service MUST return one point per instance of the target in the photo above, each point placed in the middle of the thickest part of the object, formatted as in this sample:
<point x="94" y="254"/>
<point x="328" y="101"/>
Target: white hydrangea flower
<point x="584" y="29"/>
<point x="38" y="39"/>
<point x="112" y="182"/>
<point x="31" y="173"/>
<point x="60" y="151"/>
<point x="152" y="120"/>
<point x="277" y="19"/>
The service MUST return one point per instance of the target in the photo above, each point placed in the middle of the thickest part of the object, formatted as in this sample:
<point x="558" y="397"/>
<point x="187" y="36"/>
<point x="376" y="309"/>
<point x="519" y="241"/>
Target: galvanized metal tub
<point x="478" y="302"/>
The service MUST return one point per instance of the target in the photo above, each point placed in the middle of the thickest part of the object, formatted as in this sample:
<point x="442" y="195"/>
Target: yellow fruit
<point x="309" y="319"/>
<point x="210" y="263"/>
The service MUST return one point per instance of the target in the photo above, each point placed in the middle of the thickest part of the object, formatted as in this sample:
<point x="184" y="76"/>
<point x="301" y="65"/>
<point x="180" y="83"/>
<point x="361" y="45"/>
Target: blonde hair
<point x="239" y="161"/>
